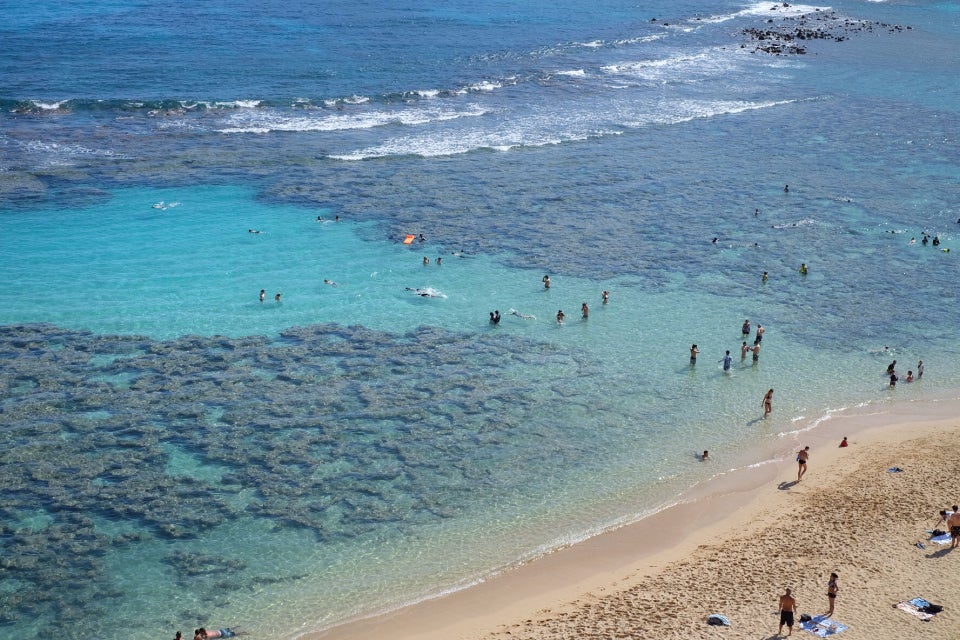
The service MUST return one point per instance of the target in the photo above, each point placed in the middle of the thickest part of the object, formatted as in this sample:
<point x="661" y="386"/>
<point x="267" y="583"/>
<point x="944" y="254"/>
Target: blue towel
<point x="919" y="603"/>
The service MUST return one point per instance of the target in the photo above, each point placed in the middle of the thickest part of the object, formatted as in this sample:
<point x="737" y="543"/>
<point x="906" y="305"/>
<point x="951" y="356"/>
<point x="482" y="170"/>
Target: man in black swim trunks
<point x="953" y="523"/>
<point x="788" y="607"/>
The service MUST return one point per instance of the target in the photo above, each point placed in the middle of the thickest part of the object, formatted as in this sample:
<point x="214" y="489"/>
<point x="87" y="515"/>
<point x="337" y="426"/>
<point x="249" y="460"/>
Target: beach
<point x="735" y="548"/>
<point x="303" y="460"/>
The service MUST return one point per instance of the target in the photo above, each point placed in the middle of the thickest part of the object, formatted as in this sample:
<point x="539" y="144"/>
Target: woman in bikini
<point x="832" y="590"/>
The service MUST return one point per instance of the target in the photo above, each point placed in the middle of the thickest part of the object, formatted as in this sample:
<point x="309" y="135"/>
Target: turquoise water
<point x="211" y="459"/>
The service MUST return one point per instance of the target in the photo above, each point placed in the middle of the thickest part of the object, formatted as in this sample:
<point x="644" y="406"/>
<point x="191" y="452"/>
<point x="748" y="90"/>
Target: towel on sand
<point x="913" y="610"/>
<point x="822" y="626"/>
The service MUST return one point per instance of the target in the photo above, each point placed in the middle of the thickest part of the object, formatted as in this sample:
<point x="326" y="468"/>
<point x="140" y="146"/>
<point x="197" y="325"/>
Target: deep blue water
<point x="210" y="459"/>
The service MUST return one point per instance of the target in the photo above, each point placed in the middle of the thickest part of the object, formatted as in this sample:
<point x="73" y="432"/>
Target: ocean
<point x="179" y="452"/>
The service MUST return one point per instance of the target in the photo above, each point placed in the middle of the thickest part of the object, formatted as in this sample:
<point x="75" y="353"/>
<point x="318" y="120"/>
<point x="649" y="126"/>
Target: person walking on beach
<point x="832" y="590"/>
<point x="727" y="360"/>
<point x="953" y="522"/>
<point x="767" y="403"/>
<point x="788" y="607"/>
<point x="802" y="456"/>
<point x="693" y="354"/>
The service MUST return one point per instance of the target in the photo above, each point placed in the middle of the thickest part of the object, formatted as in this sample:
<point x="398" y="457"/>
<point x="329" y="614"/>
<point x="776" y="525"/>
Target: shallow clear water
<point x="208" y="458"/>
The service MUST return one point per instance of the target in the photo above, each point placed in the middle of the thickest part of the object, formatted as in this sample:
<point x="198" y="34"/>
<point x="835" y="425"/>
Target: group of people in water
<point x="894" y="378"/>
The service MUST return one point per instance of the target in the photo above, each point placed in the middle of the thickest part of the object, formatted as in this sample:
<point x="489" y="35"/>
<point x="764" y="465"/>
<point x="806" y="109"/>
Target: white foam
<point x="269" y="120"/>
<point x="575" y="73"/>
<point x="766" y="9"/>
<point x="48" y="106"/>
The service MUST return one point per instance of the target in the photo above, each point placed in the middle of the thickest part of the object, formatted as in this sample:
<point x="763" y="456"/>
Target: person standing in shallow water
<point x="693" y="354"/>
<point x="605" y="296"/>
<point x="263" y="294"/>
<point x="560" y="316"/>
<point x="546" y="282"/>
<point x="585" y="310"/>
<point x="767" y="403"/>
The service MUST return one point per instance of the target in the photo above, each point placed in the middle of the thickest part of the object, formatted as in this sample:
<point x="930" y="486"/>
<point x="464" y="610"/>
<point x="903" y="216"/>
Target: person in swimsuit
<point x="919" y="369"/>
<point x="745" y="329"/>
<point x="756" y="352"/>
<point x="802" y="456"/>
<point x="605" y="295"/>
<point x="727" y="360"/>
<point x="263" y="294"/>
<point x="693" y="354"/>
<point x="788" y="606"/>
<point x="585" y="310"/>
<point x="954" y="523"/>
<point x="767" y="403"/>
<point x="832" y="590"/>
<point x="546" y="282"/>
<point x="560" y="316"/>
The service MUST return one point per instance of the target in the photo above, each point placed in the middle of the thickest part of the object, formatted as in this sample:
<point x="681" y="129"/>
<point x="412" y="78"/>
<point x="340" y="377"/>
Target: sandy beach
<point x="733" y="546"/>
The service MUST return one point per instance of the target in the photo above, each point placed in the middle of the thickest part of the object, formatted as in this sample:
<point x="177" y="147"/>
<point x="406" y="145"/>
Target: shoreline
<point x="539" y="599"/>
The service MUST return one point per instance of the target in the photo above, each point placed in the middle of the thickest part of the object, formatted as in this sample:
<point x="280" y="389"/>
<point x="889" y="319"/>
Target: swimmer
<point x="495" y="317"/>
<point x="803" y="268"/>
<point x="277" y="297"/>
<point x="756" y="212"/>
<point x="421" y="238"/>
<point x="714" y="241"/>
<point x="891" y="367"/>
<point x="585" y="310"/>
<point x="522" y="316"/>
<point x="909" y="376"/>
<point x="329" y="282"/>
<point x="745" y="329"/>
<point x="546" y="282"/>
<point x="764" y="277"/>
<point x="786" y="188"/>
<point x="336" y="219"/>
<point x="439" y="261"/>
<point x="319" y="218"/>
<point x="936" y="241"/>
<point x="694" y="350"/>
<point x="263" y="294"/>
<point x="744" y="349"/>
<point x="426" y="260"/>
<point x="560" y="316"/>
<point x="253" y="231"/>
<point x="913" y="241"/>
<point x="704" y="456"/>
<point x="605" y="296"/>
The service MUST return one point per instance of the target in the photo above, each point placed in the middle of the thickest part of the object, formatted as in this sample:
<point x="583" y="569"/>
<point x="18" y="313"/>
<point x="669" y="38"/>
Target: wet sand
<point x="735" y="543"/>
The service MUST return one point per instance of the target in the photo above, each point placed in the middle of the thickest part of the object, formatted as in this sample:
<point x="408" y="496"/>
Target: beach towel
<point x="943" y="539"/>
<point x="912" y="610"/>
<point x="894" y="470"/>
<point x="823" y="627"/>
<point x="925" y="606"/>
